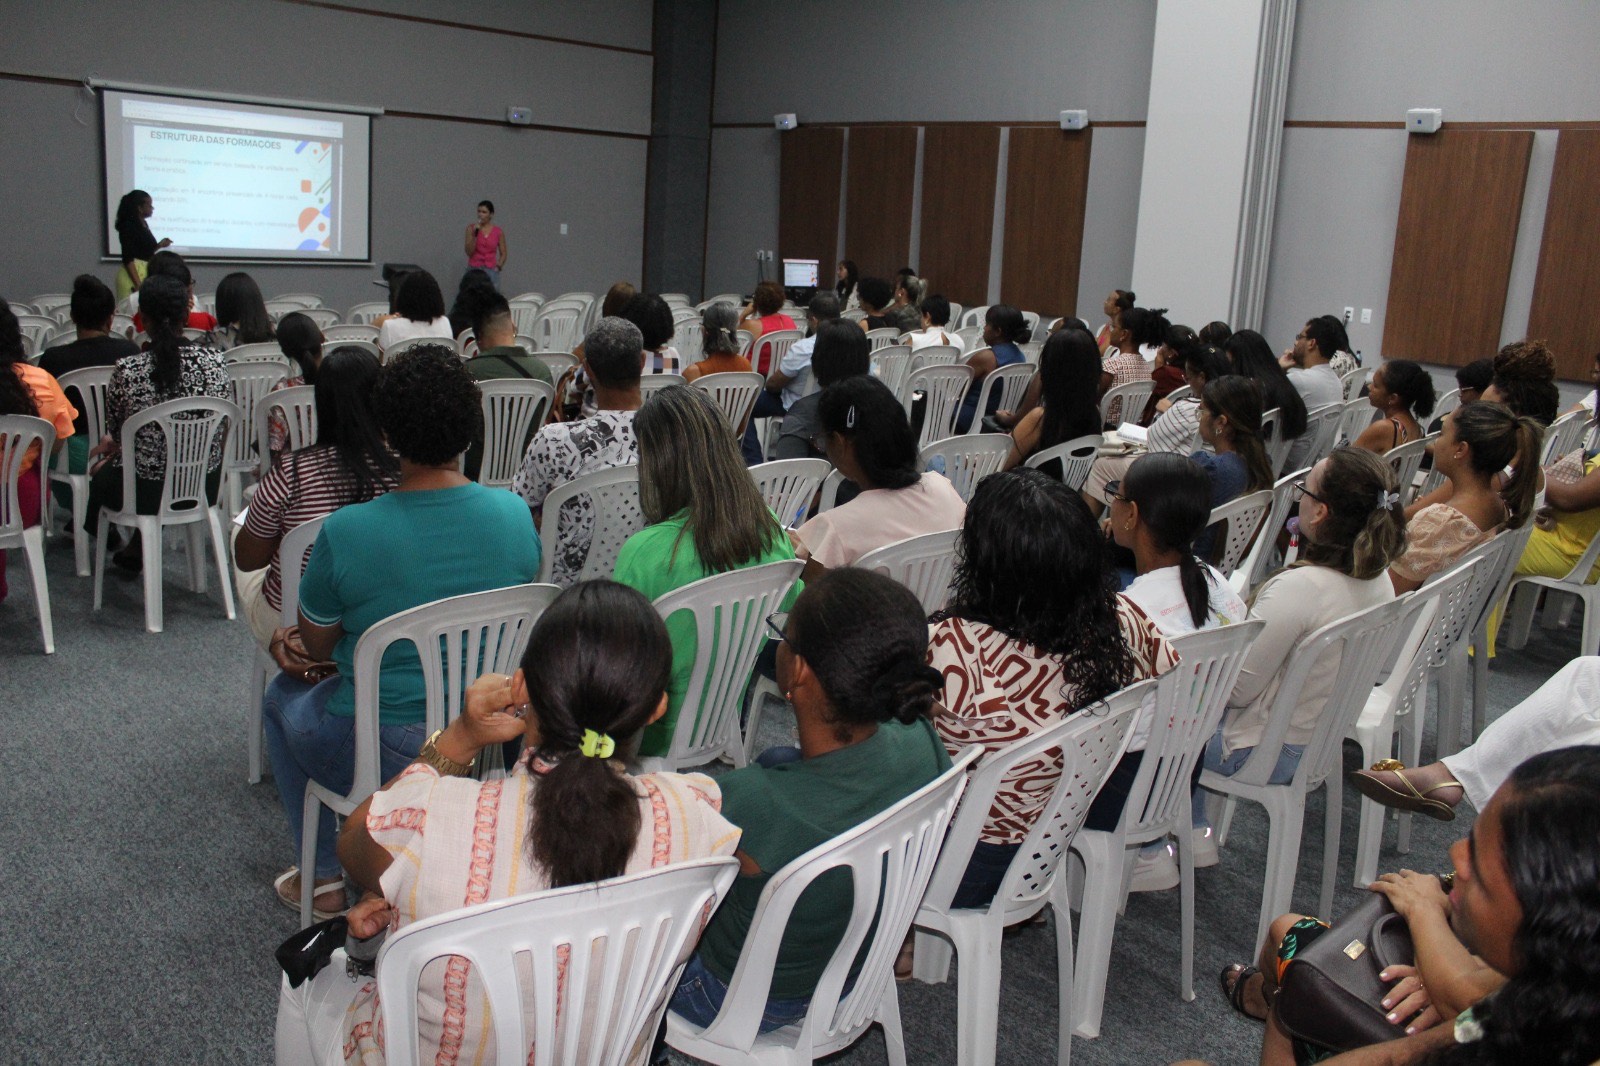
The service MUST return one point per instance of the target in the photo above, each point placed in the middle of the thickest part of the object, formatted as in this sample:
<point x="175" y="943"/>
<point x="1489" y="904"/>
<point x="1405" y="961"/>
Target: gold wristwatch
<point x="431" y="755"/>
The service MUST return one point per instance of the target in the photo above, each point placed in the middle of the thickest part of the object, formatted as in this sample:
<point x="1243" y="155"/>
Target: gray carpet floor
<point x="137" y="920"/>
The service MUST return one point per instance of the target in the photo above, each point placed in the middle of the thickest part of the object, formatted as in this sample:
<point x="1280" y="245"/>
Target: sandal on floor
<point x="287" y="887"/>
<point x="1234" y="993"/>
<point x="1405" y="798"/>
<point x="904" y="961"/>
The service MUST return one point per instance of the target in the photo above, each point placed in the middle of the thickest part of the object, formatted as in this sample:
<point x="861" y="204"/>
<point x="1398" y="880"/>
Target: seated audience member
<point x="1477" y="443"/>
<point x="763" y="315"/>
<point x="1131" y="355"/>
<point x="172" y="368"/>
<point x="1215" y="334"/>
<point x="1168" y="371"/>
<point x="613" y="359"/>
<point x="1236" y="462"/>
<point x="852" y="660"/>
<point x="435" y="535"/>
<point x="875" y="295"/>
<point x="719" y="344"/>
<point x="1309" y="362"/>
<point x="593" y="675"/>
<point x="870" y="442"/>
<point x="1035" y="632"/>
<point x="654" y="318"/>
<point x="789" y="380"/>
<point x="841" y="351"/>
<point x="1403" y="393"/>
<point x="1473" y="378"/>
<point x="498" y="356"/>
<point x="1352" y="527"/>
<point x="935" y="316"/>
<point x="349" y="463"/>
<point x="300" y="339"/>
<point x="1586" y="402"/>
<point x="574" y="391"/>
<point x="170" y="264"/>
<point x="1118" y="301"/>
<point x="846" y="285"/>
<point x="27" y="390"/>
<point x="1503" y="973"/>
<point x="419" y="312"/>
<point x="706" y="517"/>
<point x="1525" y="381"/>
<point x="472" y="293"/>
<point x="1003" y="329"/>
<point x="1067" y="408"/>
<point x="1292" y="395"/>
<point x="93" y="307"/>
<point x="905" y="313"/>
<point x="241" y="312"/>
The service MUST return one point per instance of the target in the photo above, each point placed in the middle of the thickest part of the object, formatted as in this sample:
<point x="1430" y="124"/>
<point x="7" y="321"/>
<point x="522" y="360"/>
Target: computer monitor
<point x="800" y="273"/>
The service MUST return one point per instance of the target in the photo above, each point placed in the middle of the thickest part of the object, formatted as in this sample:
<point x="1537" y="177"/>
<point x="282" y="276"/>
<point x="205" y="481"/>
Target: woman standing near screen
<point x="138" y="243"/>
<point x="486" y="243"/>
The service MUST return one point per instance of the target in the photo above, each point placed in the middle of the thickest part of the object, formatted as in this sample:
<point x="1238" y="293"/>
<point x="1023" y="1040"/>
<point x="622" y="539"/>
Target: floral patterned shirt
<point x="561" y="452"/>
<point x="203" y="373"/>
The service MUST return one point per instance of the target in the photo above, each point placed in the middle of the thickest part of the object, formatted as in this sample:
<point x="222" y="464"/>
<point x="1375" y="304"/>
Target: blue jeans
<point x="768" y="405"/>
<point x="985" y="870"/>
<point x="1212" y="759"/>
<point x="777" y="756"/>
<point x="699" y="995"/>
<point x="306" y="743"/>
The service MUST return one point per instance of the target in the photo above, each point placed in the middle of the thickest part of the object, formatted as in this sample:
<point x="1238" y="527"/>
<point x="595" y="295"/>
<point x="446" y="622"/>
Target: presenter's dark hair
<point x="428" y="405"/>
<point x="15" y="398"/>
<point x="863" y="411"/>
<point x="93" y="303"/>
<point x="300" y="338"/>
<point x="420" y="299"/>
<point x="487" y="203"/>
<point x="613" y="352"/>
<point x="239" y="304"/>
<point x="347" y="424"/>
<point x="164" y="307"/>
<point x="128" y="206"/>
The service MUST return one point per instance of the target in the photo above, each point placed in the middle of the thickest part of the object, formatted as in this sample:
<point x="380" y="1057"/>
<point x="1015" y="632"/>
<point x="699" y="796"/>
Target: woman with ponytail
<point x="1035" y="631"/>
<point x="171" y="368"/>
<point x="1477" y="442"/>
<point x="719" y="344"/>
<point x="436" y="838"/>
<point x="851" y="660"/>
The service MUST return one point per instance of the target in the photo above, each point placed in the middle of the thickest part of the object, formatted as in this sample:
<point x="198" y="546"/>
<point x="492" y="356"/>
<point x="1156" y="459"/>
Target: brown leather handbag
<point x="1331" y="995"/>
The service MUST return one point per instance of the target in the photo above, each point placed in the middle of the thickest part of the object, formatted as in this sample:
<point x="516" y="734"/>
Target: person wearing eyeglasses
<point x="1353" y="528"/>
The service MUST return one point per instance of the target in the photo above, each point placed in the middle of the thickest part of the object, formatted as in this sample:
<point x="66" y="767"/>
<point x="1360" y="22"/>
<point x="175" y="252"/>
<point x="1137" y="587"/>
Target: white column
<point x="1219" y="75"/>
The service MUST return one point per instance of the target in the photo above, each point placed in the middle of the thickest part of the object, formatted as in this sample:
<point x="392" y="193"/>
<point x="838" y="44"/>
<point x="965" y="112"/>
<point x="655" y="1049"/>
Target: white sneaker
<point x="1155" y="871"/>
<point x="1204" y="847"/>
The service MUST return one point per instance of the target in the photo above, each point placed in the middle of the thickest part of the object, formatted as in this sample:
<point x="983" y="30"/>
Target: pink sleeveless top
<point x="485" y="252"/>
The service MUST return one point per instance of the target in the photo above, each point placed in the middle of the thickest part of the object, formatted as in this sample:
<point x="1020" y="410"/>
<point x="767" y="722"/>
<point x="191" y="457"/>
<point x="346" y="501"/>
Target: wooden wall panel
<point x="877" y="214"/>
<point x="1566" y="291"/>
<point x="959" y="164"/>
<point x="1460" y="204"/>
<point x="810" y="162"/>
<point x="1047" y="183"/>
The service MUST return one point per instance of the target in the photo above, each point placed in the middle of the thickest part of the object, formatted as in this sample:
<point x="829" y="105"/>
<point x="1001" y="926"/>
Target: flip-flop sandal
<point x="1234" y="993"/>
<point x="293" y="902"/>
<point x="1378" y="789"/>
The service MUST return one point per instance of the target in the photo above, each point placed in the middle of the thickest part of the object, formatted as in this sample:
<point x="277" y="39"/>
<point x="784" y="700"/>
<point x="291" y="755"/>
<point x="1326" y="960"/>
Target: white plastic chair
<point x="265" y="352"/>
<point x="528" y="297"/>
<point x="1358" y="414"/>
<point x="1189" y="702"/>
<point x="1366" y="644"/>
<point x="1323" y="425"/>
<point x="394" y="350"/>
<point x="34" y="329"/>
<point x="340" y="332"/>
<point x="1446" y="403"/>
<point x="458" y="639"/>
<point x="935" y="355"/>
<point x="363" y="313"/>
<point x="297" y="407"/>
<point x="734" y="393"/>
<point x="1012" y="384"/>
<point x="248" y="385"/>
<point x="1352" y="381"/>
<point x="943" y="387"/>
<point x="890" y="858"/>
<point x="1277" y="444"/>
<point x="1125" y="403"/>
<point x="688" y="336"/>
<point x="967" y="458"/>
<point x="513" y="408"/>
<point x="306" y="301"/>
<point x="955" y="316"/>
<point x="1090" y="743"/>
<point x="891" y="365"/>
<point x="324" y="317"/>
<point x="558" y="326"/>
<point x="1244" y="516"/>
<point x="600" y="958"/>
<point x="524" y="311"/>
<point x="729" y="611"/>
<point x="293" y="552"/>
<point x="18" y="436"/>
<point x="1182" y="392"/>
<point x="1255" y="567"/>
<point x="828" y="495"/>
<point x="924" y="564"/>
<point x="651" y="382"/>
<point x="722" y="298"/>
<point x="1076" y="457"/>
<point x="882" y="338"/>
<point x="1563" y="435"/>
<point x="1402" y="699"/>
<point x="769" y="350"/>
<point x="613" y="496"/>
<point x="53" y="304"/>
<point x="1576" y="582"/>
<point x="557" y="363"/>
<point x="1406" y="460"/>
<point x="467" y="343"/>
<point x="191" y="426"/>
<point x="973" y="317"/>
<point x="276" y="309"/>
<point x="787" y="486"/>
<point x="971" y="337"/>
<point x="92" y="384"/>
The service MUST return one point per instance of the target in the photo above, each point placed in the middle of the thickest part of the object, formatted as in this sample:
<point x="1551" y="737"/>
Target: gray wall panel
<point x="743" y="213"/>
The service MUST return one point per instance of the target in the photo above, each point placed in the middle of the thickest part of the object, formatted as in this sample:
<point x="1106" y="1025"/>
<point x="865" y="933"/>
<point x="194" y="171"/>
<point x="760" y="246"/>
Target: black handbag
<point x="1330" y="994"/>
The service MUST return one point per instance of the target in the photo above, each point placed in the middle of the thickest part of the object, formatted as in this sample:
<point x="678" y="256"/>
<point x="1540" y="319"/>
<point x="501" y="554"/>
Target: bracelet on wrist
<point x="447" y="766"/>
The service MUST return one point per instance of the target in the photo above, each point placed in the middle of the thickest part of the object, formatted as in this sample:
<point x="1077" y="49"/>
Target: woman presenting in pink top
<point x="486" y="243"/>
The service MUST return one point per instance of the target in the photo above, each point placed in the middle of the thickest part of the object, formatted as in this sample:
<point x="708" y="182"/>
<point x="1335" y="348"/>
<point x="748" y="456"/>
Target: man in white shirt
<point x="1313" y="378"/>
<point x="791" y="378"/>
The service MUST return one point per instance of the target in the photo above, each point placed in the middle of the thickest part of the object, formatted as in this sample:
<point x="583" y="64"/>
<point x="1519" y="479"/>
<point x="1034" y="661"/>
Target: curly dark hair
<point x="654" y="318"/>
<point x="15" y="399"/>
<point x="1548" y="1011"/>
<point x="428" y="405"/>
<point x="1031" y="563"/>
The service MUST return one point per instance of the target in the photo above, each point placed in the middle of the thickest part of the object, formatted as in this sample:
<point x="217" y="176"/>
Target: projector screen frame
<point x="99" y="86"/>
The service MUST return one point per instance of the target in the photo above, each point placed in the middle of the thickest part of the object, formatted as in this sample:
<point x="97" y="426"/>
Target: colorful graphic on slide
<point x="319" y="212"/>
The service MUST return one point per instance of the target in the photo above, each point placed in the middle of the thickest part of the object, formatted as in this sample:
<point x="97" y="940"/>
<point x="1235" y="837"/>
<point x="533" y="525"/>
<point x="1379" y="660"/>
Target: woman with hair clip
<point x="719" y="344"/>
<point x="1353" y="527"/>
<point x="851" y="660"/>
<point x="349" y="463"/>
<point x="1119" y="301"/>
<point x="870" y="442"/>
<point x="241" y="312"/>
<point x="1035" y="632"/>
<point x="435" y="838"/>
<point x="1069" y="378"/>
<point x="27" y="390"/>
<point x="1404" y="392"/>
<point x="1131" y="355"/>
<point x="1003" y="329"/>
<point x="705" y="517"/>
<point x="172" y="368"/>
<point x="1478" y="441"/>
